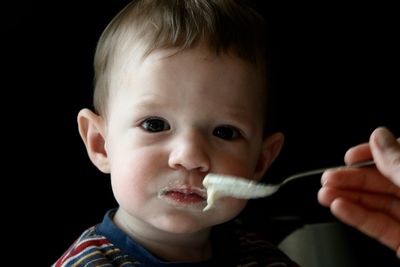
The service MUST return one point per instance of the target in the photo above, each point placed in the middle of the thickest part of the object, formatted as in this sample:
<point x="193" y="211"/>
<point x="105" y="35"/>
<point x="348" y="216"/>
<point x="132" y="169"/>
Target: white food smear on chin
<point x="218" y="186"/>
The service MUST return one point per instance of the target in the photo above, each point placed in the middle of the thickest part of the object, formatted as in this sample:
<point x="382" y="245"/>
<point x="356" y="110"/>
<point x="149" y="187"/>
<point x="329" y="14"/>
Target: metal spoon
<point x="224" y="185"/>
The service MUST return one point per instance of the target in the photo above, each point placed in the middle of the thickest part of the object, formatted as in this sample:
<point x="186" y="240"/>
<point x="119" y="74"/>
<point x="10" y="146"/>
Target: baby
<point x="180" y="92"/>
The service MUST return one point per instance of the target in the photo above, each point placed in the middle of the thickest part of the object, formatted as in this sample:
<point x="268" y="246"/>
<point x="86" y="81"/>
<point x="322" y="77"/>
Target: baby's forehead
<point x="139" y="55"/>
<point x="197" y="59"/>
<point x="200" y="61"/>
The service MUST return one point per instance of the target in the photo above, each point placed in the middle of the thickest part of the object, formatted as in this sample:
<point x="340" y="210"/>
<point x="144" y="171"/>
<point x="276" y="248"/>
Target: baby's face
<point x="174" y="119"/>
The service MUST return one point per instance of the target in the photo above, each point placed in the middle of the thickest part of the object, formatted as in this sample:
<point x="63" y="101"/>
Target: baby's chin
<point x="183" y="222"/>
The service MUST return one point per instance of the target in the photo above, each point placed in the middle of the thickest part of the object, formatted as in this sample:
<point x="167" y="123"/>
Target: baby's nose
<point x="190" y="151"/>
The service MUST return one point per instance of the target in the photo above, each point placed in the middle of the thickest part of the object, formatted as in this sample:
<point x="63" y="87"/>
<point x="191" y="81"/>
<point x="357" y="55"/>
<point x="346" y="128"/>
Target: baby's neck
<point x="179" y="251"/>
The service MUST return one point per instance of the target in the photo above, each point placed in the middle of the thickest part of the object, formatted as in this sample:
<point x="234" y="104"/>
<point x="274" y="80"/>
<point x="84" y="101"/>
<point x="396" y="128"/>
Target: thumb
<point x="386" y="153"/>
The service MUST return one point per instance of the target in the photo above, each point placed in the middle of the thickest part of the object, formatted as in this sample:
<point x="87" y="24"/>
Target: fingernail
<point x="383" y="138"/>
<point x="323" y="178"/>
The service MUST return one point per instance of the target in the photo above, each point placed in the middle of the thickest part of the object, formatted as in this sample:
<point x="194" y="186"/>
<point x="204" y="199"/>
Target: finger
<point x="377" y="225"/>
<point x="374" y="202"/>
<point x="386" y="152"/>
<point x="358" y="153"/>
<point x="360" y="179"/>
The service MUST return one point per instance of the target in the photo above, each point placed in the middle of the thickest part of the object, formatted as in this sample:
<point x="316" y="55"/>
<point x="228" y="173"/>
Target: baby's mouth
<point x="185" y="195"/>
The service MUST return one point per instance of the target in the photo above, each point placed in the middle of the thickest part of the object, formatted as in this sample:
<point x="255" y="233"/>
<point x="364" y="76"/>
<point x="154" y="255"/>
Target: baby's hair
<point x="144" y="26"/>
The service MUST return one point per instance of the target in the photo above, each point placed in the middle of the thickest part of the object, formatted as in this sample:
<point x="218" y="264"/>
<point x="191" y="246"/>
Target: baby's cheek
<point x="126" y="187"/>
<point x="230" y="207"/>
<point x="237" y="204"/>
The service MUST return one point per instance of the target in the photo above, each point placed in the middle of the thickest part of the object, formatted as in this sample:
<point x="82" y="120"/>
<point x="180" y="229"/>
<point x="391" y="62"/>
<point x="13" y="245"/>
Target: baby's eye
<point x="154" y="125"/>
<point x="226" y="132"/>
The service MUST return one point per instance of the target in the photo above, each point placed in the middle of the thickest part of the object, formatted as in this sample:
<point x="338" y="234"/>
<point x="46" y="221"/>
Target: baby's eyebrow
<point x="150" y="102"/>
<point x="238" y="113"/>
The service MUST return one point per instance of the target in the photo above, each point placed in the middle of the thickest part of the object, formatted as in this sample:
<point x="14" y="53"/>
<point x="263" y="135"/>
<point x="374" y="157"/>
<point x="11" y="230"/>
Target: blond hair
<point x="181" y="24"/>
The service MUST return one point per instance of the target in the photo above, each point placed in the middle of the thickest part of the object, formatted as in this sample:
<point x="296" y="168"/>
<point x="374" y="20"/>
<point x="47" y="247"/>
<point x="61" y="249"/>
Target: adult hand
<point x="368" y="198"/>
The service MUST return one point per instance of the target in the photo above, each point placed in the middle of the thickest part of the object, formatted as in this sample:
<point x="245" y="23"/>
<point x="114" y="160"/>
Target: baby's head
<point x="180" y="90"/>
<point x="143" y="27"/>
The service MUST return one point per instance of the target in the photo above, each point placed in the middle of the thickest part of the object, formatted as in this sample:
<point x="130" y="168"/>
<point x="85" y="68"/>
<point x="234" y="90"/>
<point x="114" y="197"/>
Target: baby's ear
<point x="92" y="131"/>
<point x="272" y="145"/>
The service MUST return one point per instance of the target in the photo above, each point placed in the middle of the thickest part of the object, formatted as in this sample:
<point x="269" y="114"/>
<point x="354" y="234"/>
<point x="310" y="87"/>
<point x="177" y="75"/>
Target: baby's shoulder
<point x="93" y="249"/>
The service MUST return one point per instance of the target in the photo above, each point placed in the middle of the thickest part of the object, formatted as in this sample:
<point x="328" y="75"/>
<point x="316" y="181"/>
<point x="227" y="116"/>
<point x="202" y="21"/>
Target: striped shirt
<point x="106" y="245"/>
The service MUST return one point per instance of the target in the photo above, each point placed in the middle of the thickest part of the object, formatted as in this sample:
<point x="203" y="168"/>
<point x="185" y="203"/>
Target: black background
<point x="334" y="80"/>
